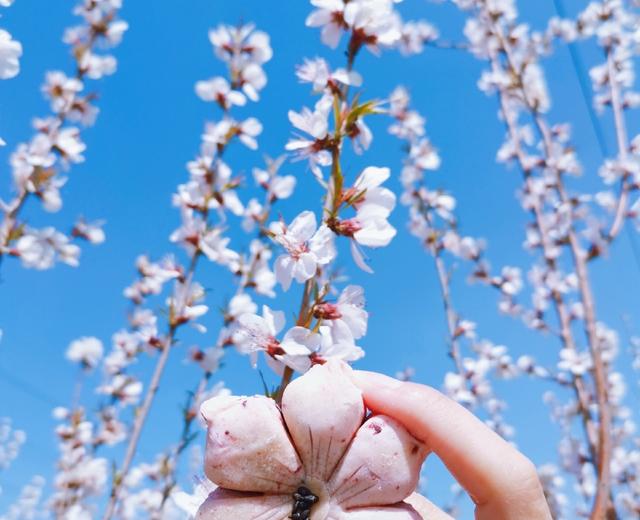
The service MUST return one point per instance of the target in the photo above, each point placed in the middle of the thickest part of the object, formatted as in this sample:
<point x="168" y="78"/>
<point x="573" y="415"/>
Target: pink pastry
<point x="316" y="458"/>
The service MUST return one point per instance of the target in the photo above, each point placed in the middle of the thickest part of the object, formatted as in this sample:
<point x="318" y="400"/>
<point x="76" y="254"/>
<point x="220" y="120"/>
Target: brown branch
<point x="563" y="314"/>
<point x="143" y="412"/>
<point x="602" y="507"/>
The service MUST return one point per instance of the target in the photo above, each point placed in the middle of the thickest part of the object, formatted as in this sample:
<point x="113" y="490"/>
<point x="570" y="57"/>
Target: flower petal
<point x="275" y="319"/>
<point x="303" y="226"/>
<point x="284" y="267"/>
<point x="322" y="245"/>
<point x="248" y="448"/>
<point x="304" y="267"/>
<point x="381" y="197"/>
<point x="359" y="258"/>
<point x="382" y="465"/>
<point x="323" y="410"/>
<point x="376" y="232"/>
<point x="371" y="177"/>
<point x="223" y="504"/>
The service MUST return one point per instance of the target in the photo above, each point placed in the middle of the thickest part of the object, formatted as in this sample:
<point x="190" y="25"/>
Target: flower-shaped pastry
<point x="315" y="458"/>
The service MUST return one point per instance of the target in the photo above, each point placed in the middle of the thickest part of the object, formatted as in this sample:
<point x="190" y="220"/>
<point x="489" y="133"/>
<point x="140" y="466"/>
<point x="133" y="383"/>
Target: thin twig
<point x="143" y="412"/>
<point x="602" y="503"/>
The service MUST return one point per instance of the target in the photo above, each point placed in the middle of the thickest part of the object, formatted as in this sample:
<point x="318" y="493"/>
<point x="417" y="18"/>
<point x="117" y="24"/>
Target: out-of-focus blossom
<point x="39" y="249"/>
<point x="86" y="351"/>
<point x="37" y="165"/>
<point x="10" y="52"/>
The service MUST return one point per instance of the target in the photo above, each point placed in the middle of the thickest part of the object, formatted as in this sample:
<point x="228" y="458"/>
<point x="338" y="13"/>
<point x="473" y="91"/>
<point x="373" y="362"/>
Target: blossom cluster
<point x="329" y="322"/>
<point x="28" y="505"/>
<point x="39" y="166"/>
<point x="10" y="53"/>
<point x="10" y="442"/>
<point x="80" y="474"/>
<point x="432" y="221"/>
<point x="614" y="25"/>
<point x="297" y="254"/>
<point x="373" y="24"/>
<point x="325" y="327"/>
<point x="568" y="233"/>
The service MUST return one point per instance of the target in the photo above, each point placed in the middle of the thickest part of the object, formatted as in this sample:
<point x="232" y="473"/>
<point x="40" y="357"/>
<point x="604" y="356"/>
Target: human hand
<point x="502" y="482"/>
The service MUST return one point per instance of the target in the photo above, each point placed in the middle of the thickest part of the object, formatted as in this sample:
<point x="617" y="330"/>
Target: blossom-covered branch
<point x="433" y="222"/>
<point x="11" y="441"/>
<point x="298" y="253"/>
<point x="38" y="166"/>
<point x="325" y="327"/>
<point x="210" y="191"/>
<point x="560" y="222"/>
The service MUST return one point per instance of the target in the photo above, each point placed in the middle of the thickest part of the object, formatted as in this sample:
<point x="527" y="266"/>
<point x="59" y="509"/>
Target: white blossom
<point x="316" y="125"/>
<point x="218" y="90"/>
<point x="87" y="351"/>
<point x="307" y="247"/>
<point x="39" y="249"/>
<point x="10" y="52"/>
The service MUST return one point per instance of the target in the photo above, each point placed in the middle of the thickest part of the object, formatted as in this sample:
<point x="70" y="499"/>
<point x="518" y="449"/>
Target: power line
<point x="585" y="89"/>
<point x="26" y="388"/>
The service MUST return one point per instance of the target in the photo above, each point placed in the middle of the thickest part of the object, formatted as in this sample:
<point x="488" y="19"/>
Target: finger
<point x="427" y="509"/>
<point x="501" y="481"/>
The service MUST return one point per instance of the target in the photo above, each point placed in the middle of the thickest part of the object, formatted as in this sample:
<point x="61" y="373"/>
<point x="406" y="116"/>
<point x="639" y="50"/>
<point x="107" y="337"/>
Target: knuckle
<point x="524" y="478"/>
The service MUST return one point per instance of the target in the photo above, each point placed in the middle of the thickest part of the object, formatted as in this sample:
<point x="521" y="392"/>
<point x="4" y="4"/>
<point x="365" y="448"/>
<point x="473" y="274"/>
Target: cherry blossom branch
<point x="321" y="330"/>
<point x="450" y="314"/>
<point x="36" y="164"/>
<point x="562" y="312"/>
<point x="210" y="187"/>
<point x="79" y="472"/>
<point x="433" y="222"/>
<point x="602" y="500"/>
<point x="515" y="90"/>
<point x="141" y="417"/>
<point x="613" y="24"/>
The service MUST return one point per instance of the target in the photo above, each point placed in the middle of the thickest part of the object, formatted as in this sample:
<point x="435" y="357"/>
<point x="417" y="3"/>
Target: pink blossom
<point x="373" y="204"/>
<point x="258" y="334"/>
<point x="317" y="126"/>
<point x="307" y="247"/>
<point x="219" y="90"/>
<point x="39" y="249"/>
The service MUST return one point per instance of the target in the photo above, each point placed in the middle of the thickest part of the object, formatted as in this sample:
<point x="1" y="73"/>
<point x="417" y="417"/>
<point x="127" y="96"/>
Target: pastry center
<point x="303" y="501"/>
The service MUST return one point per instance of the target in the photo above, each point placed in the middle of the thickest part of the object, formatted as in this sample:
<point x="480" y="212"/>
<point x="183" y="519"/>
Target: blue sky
<point x="149" y="127"/>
